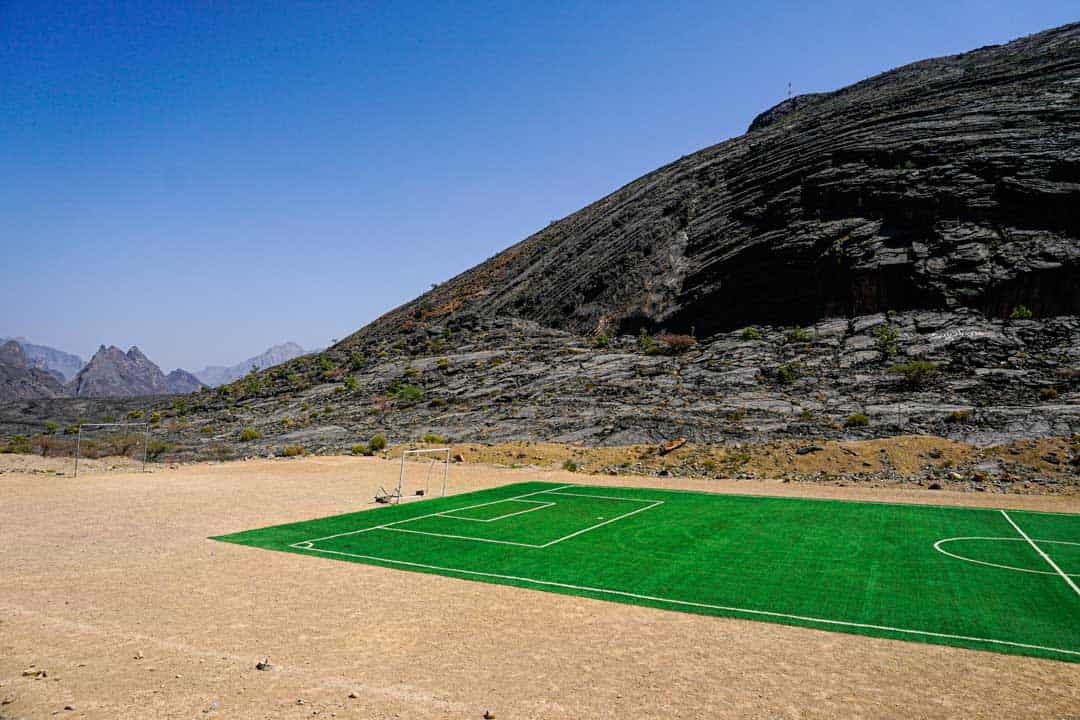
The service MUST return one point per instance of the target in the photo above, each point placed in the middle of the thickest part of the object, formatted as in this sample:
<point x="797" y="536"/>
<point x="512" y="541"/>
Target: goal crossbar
<point x="145" y="433"/>
<point x="438" y="454"/>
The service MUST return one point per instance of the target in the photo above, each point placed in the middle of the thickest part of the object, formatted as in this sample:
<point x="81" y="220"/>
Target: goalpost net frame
<point x="444" y="452"/>
<point x="146" y="439"/>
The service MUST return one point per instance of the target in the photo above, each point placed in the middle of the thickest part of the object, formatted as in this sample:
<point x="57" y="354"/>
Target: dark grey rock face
<point x="948" y="183"/>
<point x="20" y="380"/>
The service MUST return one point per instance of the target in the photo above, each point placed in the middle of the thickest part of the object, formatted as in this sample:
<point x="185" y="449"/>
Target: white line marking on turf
<point x="939" y="543"/>
<point x="461" y="537"/>
<point x="1046" y="557"/>
<point x="723" y="608"/>
<point x="606" y="522"/>
<point x="542" y="505"/>
<point x="421" y="517"/>
<point x="600" y="497"/>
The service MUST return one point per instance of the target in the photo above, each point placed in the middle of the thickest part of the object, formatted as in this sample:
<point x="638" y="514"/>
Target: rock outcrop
<point x="21" y="380"/>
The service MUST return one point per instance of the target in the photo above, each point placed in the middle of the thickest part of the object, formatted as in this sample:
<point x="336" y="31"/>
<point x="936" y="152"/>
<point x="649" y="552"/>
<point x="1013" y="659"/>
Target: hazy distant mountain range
<point x="30" y="371"/>
<point x="214" y="375"/>
<point x="56" y="361"/>
<point x="22" y="380"/>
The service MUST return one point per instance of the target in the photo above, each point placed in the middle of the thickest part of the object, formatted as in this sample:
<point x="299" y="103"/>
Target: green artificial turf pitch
<point x="949" y="575"/>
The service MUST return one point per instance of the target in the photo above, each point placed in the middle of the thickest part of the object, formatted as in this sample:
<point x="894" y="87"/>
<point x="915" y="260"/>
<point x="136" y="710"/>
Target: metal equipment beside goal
<point x="416" y="485"/>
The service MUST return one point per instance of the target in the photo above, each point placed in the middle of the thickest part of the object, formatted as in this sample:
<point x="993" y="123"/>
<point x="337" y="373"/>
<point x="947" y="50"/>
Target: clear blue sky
<point x="205" y="179"/>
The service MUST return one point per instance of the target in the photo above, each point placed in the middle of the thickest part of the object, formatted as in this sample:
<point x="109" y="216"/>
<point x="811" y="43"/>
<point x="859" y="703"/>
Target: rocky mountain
<point x="214" y="375"/>
<point x="21" y="380"/>
<point x="48" y="358"/>
<point x="114" y="373"/>
<point x="901" y="256"/>
<point x="947" y="183"/>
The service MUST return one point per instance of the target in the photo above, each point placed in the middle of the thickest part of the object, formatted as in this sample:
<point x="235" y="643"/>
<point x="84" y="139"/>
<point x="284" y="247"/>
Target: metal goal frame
<point x="443" y="451"/>
<point x="146" y="439"/>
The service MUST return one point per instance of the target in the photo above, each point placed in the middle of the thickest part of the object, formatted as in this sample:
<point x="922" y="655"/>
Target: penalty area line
<point x="701" y="605"/>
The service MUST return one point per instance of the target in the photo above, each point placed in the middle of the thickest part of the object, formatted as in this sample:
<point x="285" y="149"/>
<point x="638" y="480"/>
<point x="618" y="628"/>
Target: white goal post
<point x="145" y="433"/>
<point x="438" y="456"/>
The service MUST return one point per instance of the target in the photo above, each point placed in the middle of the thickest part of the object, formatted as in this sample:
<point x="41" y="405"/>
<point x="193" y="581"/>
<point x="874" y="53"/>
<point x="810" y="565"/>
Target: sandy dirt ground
<point x="109" y="584"/>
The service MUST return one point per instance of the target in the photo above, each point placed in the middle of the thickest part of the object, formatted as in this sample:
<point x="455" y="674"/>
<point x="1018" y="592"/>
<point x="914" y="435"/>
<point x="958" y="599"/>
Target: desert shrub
<point x="51" y="427"/>
<point x="750" y="334"/>
<point x="917" y="372"/>
<point x="180" y="407"/>
<point x="806" y="414"/>
<point x="377" y="442"/>
<point x="1047" y="393"/>
<point x="797" y="335"/>
<point x="358" y="360"/>
<point x="135" y="415"/>
<point x="206" y="429"/>
<point x="405" y="393"/>
<point x="411" y="372"/>
<point x="1021" y="312"/>
<point x="735" y="416"/>
<point x="350" y="382"/>
<point x="292" y="378"/>
<point x="156" y="448"/>
<point x="292" y="450"/>
<point x="72" y="429"/>
<point x="326" y="367"/>
<point x="646" y="343"/>
<point x="885" y="337"/>
<point x="787" y="374"/>
<point x="249" y="434"/>
<point x="444" y="364"/>
<point x="678" y="344"/>
<point x="958" y="416"/>
<point x="155" y="418"/>
<point x="19" y="444"/>
<point x="109" y="419"/>
<point x="252" y="384"/>
<point x="433" y="438"/>
<point x="570" y="465"/>
<point x="601" y="341"/>
<point x="49" y="445"/>
<point x="361" y="449"/>
<point x="856" y="420"/>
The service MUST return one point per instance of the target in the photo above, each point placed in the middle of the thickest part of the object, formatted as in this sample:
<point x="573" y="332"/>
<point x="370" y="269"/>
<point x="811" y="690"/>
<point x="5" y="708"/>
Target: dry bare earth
<point x="110" y="586"/>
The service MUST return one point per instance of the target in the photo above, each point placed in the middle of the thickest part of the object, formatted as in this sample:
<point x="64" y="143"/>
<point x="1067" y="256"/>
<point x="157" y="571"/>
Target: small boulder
<point x="672" y="445"/>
